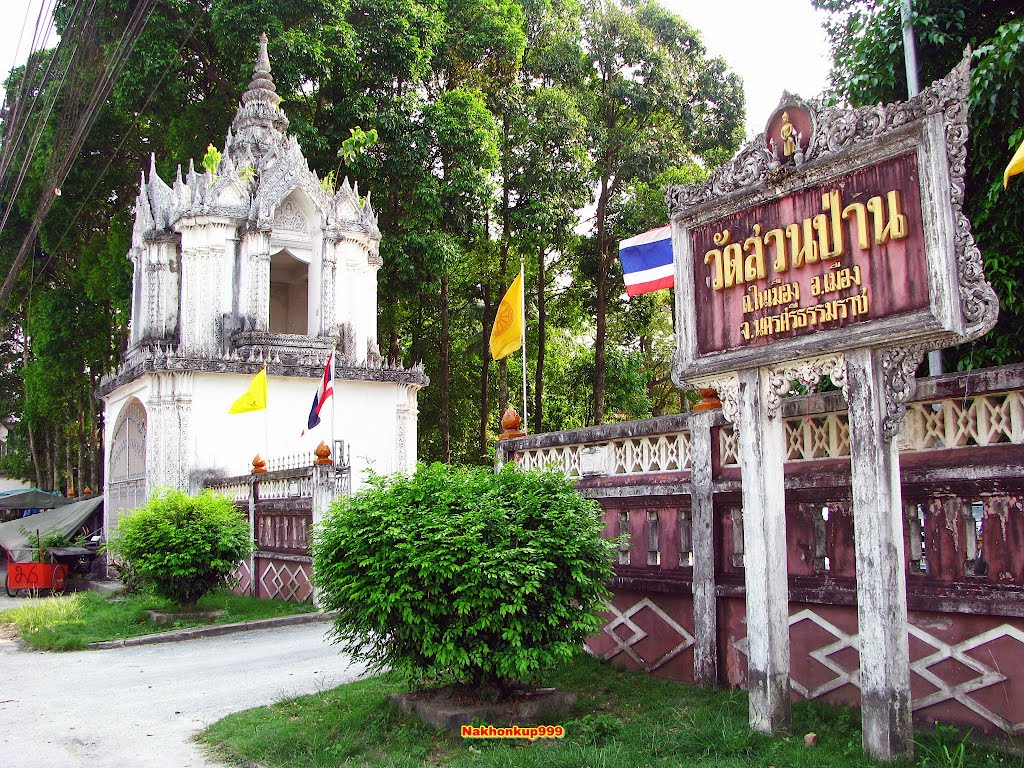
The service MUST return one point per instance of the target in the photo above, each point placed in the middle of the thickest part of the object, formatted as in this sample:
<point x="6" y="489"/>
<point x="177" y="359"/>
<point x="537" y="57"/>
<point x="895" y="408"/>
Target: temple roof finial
<point x="261" y="87"/>
<point x="263" y="59"/>
<point x="259" y="116"/>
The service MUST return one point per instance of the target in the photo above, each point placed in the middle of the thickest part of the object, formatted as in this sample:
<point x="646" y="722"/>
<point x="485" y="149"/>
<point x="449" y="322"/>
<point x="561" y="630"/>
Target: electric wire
<point x="21" y="38"/>
<point x="110" y="161"/>
<point x="37" y="136"/>
<point x="11" y="148"/>
<point x="86" y="118"/>
<point x="18" y="120"/>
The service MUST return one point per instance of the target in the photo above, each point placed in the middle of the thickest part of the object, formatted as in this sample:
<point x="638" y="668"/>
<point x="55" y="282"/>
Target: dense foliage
<point x="182" y="545"/>
<point x="495" y="122"/>
<point x="868" y="68"/>
<point x="464" y="575"/>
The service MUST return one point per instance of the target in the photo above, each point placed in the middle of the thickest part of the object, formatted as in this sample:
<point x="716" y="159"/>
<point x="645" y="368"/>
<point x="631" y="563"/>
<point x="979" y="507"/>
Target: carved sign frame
<point x="933" y="125"/>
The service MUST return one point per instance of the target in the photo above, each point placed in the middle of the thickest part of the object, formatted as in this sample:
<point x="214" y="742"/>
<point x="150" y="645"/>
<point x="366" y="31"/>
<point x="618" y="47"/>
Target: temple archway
<point x="126" y="472"/>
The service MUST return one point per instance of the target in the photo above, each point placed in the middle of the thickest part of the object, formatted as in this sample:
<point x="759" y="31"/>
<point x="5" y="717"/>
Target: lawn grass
<point x="622" y="720"/>
<point x="71" y="622"/>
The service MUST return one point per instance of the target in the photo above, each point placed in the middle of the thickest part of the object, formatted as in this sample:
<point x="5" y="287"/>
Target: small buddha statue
<point x="789" y="136"/>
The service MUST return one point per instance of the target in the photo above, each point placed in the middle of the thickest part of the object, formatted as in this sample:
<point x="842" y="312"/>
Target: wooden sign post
<point x="833" y="246"/>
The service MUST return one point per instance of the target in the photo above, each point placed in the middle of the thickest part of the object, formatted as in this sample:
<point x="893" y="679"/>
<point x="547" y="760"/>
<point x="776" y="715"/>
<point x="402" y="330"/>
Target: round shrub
<point x="461" y="575"/>
<point x="183" y="545"/>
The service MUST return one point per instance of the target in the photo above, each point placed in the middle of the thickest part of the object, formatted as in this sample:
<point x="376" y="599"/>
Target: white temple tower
<point x="256" y="264"/>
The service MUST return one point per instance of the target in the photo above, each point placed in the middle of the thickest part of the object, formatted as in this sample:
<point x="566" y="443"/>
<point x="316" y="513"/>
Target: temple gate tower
<point x="256" y="264"/>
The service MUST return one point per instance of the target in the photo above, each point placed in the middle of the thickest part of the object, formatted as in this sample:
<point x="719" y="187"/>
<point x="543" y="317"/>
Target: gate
<point x="283" y="504"/>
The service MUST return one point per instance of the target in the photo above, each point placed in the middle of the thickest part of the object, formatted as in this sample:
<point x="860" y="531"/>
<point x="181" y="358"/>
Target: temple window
<point x="289" y="294"/>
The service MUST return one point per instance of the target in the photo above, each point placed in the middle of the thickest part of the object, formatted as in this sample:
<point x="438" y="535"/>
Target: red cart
<point x="24" y="579"/>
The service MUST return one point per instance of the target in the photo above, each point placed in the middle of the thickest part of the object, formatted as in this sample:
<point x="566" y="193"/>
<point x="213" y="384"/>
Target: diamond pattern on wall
<point x="239" y="579"/>
<point x="283" y="580"/>
<point x="944" y="659"/>
<point x="625" y="633"/>
<point x="983" y="678"/>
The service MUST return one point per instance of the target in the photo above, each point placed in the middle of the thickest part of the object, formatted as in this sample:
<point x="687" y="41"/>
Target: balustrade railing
<point x="283" y="530"/>
<point x="657" y="445"/>
<point x="671" y="487"/>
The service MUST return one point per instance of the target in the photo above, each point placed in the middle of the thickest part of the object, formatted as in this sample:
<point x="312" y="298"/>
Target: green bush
<point x="461" y="575"/>
<point x="183" y="545"/>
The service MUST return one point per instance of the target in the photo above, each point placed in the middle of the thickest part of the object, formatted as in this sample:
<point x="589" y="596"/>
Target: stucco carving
<point x="809" y="373"/>
<point x="288" y="216"/>
<point x="898" y="367"/>
<point x="298" y="360"/>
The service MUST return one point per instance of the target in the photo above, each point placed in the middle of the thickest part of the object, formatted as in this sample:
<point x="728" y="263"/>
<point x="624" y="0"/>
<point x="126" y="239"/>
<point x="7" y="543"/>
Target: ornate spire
<point x="261" y="87"/>
<point x="259" y="120"/>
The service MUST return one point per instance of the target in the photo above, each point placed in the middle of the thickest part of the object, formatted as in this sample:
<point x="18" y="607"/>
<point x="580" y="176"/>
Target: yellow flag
<point x="507" y="331"/>
<point x="1016" y="165"/>
<point x="255" y="397"/>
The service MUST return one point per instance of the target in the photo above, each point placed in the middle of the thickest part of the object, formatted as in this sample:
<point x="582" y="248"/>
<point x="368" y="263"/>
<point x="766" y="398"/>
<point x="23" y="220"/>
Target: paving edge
<point x="191" y="633"/>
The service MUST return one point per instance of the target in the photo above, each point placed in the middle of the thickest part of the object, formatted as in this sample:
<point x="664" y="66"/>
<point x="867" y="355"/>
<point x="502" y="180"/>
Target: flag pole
<point x="522" y="308"/>
<point x="334" y="396"/>
<point x="266" y="420"/>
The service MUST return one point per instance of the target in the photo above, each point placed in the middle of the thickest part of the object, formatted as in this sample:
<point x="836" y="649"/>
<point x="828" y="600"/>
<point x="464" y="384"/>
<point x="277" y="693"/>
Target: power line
<point x="22" y="120"/>
<point x="17" y="120"/>
<point x="98" y="96"/>
<point x="110" y="161"/>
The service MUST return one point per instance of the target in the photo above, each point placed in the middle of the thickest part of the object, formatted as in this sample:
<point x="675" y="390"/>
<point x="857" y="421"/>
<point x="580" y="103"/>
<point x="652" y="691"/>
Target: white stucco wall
<point x="376" y="419"/>
<point x="365" y="416"/>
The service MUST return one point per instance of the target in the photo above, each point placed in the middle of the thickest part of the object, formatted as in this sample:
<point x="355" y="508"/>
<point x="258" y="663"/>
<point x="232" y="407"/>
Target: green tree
<point x="183" y="545"/>
<point x="464" y="575"/>
<point x="868" y="68"/>
<point x="656" y="100"/>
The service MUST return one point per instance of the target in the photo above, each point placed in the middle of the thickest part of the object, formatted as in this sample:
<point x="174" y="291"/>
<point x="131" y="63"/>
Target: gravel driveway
<point x="140" y="706"/>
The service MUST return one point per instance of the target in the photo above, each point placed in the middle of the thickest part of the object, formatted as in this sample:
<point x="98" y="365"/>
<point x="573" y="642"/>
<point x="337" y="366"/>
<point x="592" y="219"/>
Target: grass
<point x="622" y="720"/>
<point x="71" y="622"/>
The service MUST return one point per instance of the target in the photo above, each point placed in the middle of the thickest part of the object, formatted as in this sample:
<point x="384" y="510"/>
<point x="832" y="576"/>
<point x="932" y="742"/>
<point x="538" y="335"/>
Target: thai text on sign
<point x="823" y="257"/>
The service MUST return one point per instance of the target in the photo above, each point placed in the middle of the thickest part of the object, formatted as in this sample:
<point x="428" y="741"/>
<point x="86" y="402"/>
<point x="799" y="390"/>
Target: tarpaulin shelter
<point x="66" y="520"/>
<point x="33" y="498"/>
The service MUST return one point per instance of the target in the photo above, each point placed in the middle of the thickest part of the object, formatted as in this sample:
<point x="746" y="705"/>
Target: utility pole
<point x="914" y="88"/>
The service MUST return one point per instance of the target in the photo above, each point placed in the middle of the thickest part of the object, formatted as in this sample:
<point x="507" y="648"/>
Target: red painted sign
<point x="826" y="257"/>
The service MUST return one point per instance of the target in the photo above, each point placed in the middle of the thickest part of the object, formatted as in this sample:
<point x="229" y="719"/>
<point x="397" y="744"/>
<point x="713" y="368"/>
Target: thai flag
<point x="326" y="390"/>
<point x="647" y="261"/>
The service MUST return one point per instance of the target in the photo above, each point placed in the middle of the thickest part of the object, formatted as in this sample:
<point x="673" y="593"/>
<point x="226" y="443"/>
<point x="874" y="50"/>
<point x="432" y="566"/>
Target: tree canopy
<point x="868" y="68"/>
<point x="480" y="127"/>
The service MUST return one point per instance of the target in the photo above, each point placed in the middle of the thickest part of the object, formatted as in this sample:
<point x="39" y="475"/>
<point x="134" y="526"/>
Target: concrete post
<point x="881" y="575"/>
<point x="762" y="454"/>
<point x="325" y="492"/>
<point x="705" y="608"/>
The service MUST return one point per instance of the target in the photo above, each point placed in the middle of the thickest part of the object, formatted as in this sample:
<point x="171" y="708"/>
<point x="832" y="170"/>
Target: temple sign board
<point x="836" y="245"/>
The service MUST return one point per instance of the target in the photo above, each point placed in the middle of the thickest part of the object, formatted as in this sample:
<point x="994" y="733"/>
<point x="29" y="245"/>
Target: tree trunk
<point x="35" y="456"/>
<point x="538" y="377"/>
<point x="98" y="470"/>
<point x="601" y="307"/>
<point x="55" y="459"/>
<point x="69" y="478"/>
<point x="446" y="448"/>
<point x="485" y="369"/>
<point x="83" y="441"/>
<point x="394" y="354"/>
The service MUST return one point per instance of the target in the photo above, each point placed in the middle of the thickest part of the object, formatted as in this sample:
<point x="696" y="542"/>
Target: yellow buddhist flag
<point x="507" y="331"/>
<point x="1016" y="165"/>
<point x="255" y="397"/>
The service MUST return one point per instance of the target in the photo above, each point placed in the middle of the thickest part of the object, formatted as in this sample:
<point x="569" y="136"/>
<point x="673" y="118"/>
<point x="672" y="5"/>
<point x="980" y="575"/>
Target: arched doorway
<point x="126" y="473"/>
<point x="289" y="294"/>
